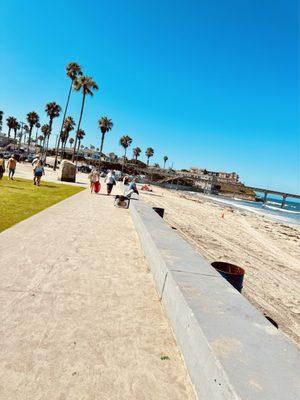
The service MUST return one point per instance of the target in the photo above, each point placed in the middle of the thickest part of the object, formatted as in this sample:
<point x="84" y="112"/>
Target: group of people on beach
<point x="95" y="184"/>
<point x="110" y="181"/>
<point x="37" y="165"/>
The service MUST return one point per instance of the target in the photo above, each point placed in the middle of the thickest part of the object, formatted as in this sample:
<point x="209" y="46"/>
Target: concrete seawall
<point x="230" y="350"/>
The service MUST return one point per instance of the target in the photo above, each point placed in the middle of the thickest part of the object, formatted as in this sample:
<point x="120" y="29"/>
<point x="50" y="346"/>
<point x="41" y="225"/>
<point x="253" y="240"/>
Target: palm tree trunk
<point x="8" y="134"/>
<point x="77" y="154"/>
<point x="101" y="148"/>
<point x="148" y="162"/>
<point x="164" y="164"/>
<point x="78" y="127"/>
<point x="20" y="140"/>
<point x="62" y="124"/>
<point x="48" y="136"/>
<point x="29" y="138"/>
<point x="124" y="159"/>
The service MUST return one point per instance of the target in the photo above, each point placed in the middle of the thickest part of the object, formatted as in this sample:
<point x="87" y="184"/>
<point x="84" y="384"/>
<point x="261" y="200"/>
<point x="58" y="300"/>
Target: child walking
<point x="38" y="172"/>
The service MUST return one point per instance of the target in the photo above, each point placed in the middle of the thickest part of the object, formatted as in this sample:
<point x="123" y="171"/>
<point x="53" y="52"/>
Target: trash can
<point x="232" y="273"/>
<point x="160" y="211"/>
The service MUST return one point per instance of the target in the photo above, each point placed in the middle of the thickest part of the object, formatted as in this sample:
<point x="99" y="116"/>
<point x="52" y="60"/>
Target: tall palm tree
<point x="32" y="119"/>
<point x="69" y="125"/>
<point x="149" y="153"/>
<point x="71" y="141"/>
<point x="80" y="135"/>
<point x="26" y="131"/>
<point x="165" y="160"/>
<point x="11" y="123"/>
<point x="53" y="110"/>
<point x="40" y="139"/>
<point x="16" y="128"/>
<point x="20" y="134"/>
<point x="125" y="142"/>
<point x="73" y="70"/>
<point x="1" y="120"/>
<point x="105" y="125"/>
<point x="136" y="153"/>
<point x="37" y="125"/>
<point x="45" y="129"/>
<point x="87" y="86"/>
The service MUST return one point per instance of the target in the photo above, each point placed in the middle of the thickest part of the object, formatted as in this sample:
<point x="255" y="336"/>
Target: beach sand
<point x="268" y="251"/>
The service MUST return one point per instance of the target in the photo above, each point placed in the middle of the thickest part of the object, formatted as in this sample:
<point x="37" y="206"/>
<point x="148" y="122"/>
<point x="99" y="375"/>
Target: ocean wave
<point x="280" y="209"/>
<point x="277" y="203"/>
<point x="285" y="216"/>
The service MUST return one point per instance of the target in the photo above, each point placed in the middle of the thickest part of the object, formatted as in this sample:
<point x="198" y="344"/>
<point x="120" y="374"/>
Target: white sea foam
<point x="280" y="209"/>
<point x="260" y="209"/>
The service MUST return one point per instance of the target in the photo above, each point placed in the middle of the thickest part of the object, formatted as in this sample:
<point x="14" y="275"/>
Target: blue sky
<point x="209" y="83"/>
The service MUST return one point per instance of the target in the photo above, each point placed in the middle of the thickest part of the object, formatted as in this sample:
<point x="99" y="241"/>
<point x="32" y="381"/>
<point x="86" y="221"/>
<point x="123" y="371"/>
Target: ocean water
<point x="272" y="208"/>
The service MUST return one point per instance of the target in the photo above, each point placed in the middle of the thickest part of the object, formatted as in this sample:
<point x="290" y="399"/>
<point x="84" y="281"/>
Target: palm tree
<point x="80" y="136"/>
<point x="125" y="142"/>
<point x="40" y="139"/>
<point x="11" y="123"/>
<point x="69" y="125"/>
<point x="86" y="85"/>
<point x="32" y="119"/>
<point x="71" y="141"/>
<point x="149" y="153"/>
<point x="136" y="153"/>
<point x="165" y="160"/>
<point x="105" y="125"/>
<point x="53" y="110"/>
<point x="26" y="130"/>
<point x="1" y="120"/>
<point x="16" y="128"/>
<point x="20" y="139"/>
<point x="37" y="125"/>
<point x="45" y="129"/>
<point x="73" y="70"/>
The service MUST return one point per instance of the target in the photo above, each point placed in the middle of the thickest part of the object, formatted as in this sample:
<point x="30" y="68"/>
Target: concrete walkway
<point x="79" y="316"/>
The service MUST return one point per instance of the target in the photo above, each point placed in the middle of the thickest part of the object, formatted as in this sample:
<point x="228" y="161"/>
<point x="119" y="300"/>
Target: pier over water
<point x="266" y="192"/>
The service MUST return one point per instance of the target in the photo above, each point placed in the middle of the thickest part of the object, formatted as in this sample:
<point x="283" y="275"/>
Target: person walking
<point x="2" y="166"/>
<point x="94" y="178"/>
<point x="34" y="164"/>
<point x="11" y="165"/>
<point x="132" y="189"/>
<point x="38" y="172"/>
<point x="110" y="181"/>
<point x="126" y="180"/>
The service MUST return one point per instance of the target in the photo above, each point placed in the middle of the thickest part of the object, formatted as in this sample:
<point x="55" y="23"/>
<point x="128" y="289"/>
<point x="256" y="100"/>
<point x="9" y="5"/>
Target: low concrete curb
<point x="230" y="350"/>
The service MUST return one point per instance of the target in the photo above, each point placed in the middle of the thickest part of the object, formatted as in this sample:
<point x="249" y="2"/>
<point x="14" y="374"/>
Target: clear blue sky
<point x="210" y="83"/>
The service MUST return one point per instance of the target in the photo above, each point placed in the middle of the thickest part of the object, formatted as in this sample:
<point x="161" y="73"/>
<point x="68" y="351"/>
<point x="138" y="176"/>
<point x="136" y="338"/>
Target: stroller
<point x="122" y="201"/>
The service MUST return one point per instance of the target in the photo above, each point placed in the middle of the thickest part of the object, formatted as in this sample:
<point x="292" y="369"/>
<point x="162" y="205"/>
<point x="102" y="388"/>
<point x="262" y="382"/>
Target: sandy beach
<point x="269" y="251"/>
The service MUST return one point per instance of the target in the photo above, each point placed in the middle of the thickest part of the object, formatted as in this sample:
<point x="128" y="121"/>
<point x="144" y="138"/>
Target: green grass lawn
<point x="20" y="199"/>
